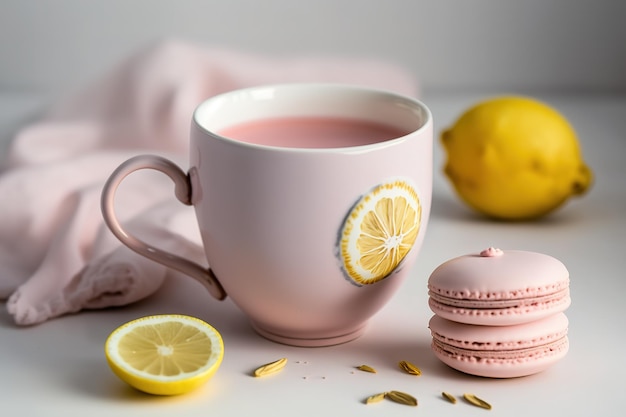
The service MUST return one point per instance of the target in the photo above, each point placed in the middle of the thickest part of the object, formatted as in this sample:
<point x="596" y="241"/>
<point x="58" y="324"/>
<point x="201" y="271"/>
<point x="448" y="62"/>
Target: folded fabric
<point x="56" y="255"/>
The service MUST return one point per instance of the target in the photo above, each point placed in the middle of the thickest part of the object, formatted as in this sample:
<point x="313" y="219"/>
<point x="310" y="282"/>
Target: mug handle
<point x="182" y="190"/>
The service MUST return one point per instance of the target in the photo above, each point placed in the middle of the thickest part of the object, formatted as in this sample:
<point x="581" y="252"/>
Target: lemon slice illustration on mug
<point x="379" y="231"/>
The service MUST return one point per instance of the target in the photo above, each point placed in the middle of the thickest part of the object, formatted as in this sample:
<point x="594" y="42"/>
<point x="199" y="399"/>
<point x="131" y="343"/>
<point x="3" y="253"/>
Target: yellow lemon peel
<point x="514" y="158"/>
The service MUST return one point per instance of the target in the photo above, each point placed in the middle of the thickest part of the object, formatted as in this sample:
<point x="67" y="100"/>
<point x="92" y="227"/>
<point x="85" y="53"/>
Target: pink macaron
<point x="500" y="351"/>
<point x="499" y="288"/>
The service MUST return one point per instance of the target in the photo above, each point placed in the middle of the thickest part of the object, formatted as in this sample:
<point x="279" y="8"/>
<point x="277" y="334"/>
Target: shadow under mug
<point x="309" y="242"/>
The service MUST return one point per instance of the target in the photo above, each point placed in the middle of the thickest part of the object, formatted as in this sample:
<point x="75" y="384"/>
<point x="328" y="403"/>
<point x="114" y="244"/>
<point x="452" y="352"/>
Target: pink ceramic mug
<point x="307" y="224"/>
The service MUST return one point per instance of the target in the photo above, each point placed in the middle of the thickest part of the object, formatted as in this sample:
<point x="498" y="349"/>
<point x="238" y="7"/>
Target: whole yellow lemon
<point x="514" y="158"/>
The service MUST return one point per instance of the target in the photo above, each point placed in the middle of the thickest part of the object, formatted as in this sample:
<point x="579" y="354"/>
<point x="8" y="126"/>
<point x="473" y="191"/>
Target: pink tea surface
<point x="312" y="132"/>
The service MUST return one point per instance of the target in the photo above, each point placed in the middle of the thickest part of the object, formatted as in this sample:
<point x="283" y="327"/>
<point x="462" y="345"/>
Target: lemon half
<point x="165" y="354"/>
<point x="380" y="231"/>
<point x="514" y="158"/>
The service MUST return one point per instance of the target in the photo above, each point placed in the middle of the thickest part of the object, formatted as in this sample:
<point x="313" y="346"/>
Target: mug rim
<point x="268" y="90"/>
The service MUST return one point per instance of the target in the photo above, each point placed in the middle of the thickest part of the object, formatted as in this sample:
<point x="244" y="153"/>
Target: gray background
<point x="450" y="45"/>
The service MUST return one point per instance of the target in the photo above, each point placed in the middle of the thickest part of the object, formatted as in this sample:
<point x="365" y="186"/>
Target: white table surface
<point x="58" y="368"/>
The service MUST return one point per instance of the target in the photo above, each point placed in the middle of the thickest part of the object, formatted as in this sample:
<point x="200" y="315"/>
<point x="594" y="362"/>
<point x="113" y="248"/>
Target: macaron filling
<point x="509" y="311"/>
<point x="500" y="303"/>
<point x="556" y="347"/>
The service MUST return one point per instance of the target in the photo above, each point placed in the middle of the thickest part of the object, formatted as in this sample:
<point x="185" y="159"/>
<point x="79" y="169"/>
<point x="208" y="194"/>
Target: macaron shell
<point x="516" y="287"/>
<point x="500" y="352"/>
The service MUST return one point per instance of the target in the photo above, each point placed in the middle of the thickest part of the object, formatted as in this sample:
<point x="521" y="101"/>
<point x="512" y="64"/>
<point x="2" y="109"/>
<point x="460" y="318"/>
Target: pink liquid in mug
<point x="312" y="132"/>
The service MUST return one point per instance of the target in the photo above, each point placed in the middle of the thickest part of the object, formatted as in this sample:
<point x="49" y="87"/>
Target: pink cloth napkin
<point x="56" y="255"/>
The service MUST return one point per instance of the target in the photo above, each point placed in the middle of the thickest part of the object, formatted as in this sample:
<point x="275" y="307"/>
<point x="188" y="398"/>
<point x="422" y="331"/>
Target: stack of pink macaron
<point x="500" y="313"/>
